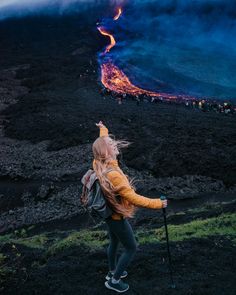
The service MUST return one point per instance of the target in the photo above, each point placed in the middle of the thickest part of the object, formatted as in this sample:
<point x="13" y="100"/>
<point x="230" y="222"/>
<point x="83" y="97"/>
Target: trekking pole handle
<point x="163" y="198"/>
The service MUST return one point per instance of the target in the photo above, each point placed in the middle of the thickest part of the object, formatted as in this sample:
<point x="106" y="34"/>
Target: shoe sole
<point x="108" y="278"/>
<point x="111" y="288"/>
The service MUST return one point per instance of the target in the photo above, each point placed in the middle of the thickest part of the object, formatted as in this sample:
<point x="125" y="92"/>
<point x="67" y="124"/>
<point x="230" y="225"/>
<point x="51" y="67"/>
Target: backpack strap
<point x="89" y="178"/>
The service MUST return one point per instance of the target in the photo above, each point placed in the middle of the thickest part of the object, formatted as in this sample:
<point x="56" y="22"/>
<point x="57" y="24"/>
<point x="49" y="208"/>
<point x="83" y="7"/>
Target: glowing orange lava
<point x="116" y="80"/>
<point x="119" y="12"/>
<point x="112" y="39"/>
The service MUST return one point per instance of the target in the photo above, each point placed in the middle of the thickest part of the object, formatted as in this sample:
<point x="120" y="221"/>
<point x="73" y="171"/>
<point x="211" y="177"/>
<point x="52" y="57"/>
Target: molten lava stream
<point x="116" y="80"/>
<point x="119" y="12"/>
<point x="112" y="39"/>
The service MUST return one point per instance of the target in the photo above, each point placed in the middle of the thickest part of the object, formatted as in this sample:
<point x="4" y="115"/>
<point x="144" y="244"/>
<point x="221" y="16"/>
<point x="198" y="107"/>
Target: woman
<point x="122" y="199"/>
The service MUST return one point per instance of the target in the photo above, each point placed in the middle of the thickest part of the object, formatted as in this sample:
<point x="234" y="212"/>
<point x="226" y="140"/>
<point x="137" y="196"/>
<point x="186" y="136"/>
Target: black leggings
<point x="120" y="231"/>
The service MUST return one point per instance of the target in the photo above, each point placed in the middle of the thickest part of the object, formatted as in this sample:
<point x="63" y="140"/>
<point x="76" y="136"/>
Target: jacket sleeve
<point x="123" y="188"/>
<point x="103" y="132"/>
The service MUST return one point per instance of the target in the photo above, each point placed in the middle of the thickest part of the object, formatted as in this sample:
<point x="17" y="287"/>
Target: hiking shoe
<point x="110" y="274"/>
<point x="118" y="287"/>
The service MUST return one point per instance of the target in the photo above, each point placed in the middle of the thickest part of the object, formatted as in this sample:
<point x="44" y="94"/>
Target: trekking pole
<point x="168" y="247"/>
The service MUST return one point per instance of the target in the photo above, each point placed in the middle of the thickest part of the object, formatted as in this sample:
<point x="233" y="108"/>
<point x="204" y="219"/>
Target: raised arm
<point x="123" y="188"/>
<point x="103" y="131"/>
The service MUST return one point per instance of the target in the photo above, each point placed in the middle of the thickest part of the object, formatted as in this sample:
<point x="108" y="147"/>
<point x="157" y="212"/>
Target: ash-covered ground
<point x="50" y="100"/>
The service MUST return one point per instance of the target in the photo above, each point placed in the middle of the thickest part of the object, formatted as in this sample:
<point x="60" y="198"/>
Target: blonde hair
<point x="101" y="167"/>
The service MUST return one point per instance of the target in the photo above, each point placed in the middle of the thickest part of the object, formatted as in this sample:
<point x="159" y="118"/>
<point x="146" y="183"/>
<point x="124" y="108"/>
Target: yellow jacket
<point x="124" y="189"/>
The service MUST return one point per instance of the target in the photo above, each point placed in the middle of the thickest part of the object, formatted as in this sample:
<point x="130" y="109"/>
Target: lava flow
<point x="119" y="12"/>
<point x="112" y="39"/>
<point x="115" y="79"/>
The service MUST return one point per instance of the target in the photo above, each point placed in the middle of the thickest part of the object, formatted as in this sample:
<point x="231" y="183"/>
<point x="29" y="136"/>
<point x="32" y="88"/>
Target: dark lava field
<point x="50" y="100"/>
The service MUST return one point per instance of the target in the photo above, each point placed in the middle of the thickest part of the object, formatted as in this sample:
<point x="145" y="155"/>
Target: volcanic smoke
<point x="116" y="80"/>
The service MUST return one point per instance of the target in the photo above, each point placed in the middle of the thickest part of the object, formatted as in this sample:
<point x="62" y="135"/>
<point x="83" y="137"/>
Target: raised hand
<point x="100" y="124"/>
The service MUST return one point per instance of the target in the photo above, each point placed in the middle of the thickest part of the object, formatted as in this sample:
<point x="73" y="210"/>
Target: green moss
<point x="37" y="241"/>
<point x="146" y="237"/>
<point x="55" y="242"/>
<point x="224" y="224"/>
<point x="6" y="238"/>
<point x="90" y="239"/>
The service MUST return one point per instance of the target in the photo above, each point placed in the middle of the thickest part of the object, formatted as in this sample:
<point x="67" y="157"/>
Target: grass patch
<point x="90" y="239"/>
<point x="147" y="236"/>
<point x="6" y="238"/>
<point x="224" y="224"/>
<point x="37" y="241"/>
<point x="56" y="242"/>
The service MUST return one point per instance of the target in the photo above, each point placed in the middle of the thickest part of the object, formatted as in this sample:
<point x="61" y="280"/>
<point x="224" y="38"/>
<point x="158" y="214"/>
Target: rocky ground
<point x="49" y="101"/>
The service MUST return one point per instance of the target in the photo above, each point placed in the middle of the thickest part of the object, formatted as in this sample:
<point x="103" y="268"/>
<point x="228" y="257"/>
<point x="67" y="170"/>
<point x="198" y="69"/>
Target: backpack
<point x="92" y="198"/>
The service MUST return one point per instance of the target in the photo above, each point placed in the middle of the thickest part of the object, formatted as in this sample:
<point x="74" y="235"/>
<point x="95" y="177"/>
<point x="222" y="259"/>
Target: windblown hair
<point x="101" y="167"/>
